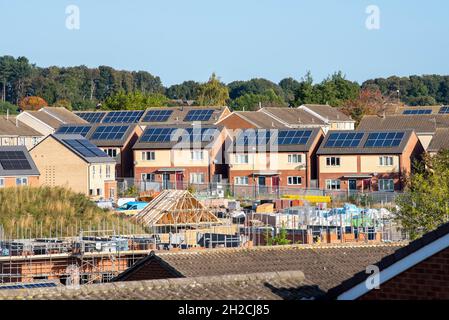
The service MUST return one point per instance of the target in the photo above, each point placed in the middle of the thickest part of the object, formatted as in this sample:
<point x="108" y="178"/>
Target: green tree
<point x="425" y="203"/>
<point x="134" y="101"/>
<point x="212" y="93"/>
<point x="250" y="101"/>
<point x="188" y="90"/>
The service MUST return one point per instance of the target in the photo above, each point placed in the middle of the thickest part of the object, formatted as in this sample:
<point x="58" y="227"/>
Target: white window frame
<point x="148" y="155"/>
<point x="197" y="178"/>
<point x="111" y="152"/>
<point x="332" y="184"/>
<point x="291" y="180"/>
<point x="196" y="155"/>
<point x="386" y="182"/>
<point x="2" y="182"/>
<point x="241" y="181"/>
<point x="332" y="161"/>
<point x="386" y="161"/>
<point x="145" y="176"/>
<point x="295" y="158"/>
<point x="108" y="171"/>
<point x="241" y="158"/>
<point x="21" y="181"/>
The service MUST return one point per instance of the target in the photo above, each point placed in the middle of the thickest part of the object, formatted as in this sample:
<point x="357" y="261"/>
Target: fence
<point x="132" y="187"/>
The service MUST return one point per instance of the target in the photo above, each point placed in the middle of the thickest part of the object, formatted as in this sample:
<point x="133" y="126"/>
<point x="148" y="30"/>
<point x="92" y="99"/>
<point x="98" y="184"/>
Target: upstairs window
<point x="333" y="161"/>
<point x="294" y="158"/>
<point x="148" y="155"/>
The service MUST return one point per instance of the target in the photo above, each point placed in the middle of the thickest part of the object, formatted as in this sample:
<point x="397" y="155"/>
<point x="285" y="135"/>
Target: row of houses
<point x="309" y="147"/>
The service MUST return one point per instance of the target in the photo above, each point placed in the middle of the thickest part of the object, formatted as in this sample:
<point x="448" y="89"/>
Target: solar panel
<point x="294" y="137"/>
<point x="176" y="134"/>
<point x="85" y="148"/>
<point x="123" y="117"/>
<point x="253" y="138"/>
<point x="109" y="132"/>
<point x="91" y="117"/>
<point x="70" y="129"/>
<point x="343" y="140"/>
<point x="157" y="115"/>
<point x="418" y="111"/>
<point x="199" y="115"/>
<point x="14" y="160"/>
<point x="444" y="110"/>
<point x="28" y="286"/>
<point x="384" y="139"/>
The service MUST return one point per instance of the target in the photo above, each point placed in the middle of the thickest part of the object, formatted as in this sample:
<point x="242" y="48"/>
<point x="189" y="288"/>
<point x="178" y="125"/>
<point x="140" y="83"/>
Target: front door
<point x="275" y="183"/>
<point x="165" y="181"/>
<point x="352" y="185"/>
<point x="179" y="180"/>
<point x="262" y="184"/>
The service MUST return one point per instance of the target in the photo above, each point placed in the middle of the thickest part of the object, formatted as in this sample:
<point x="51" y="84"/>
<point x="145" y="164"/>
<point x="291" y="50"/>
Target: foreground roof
<point x="323" y="266"/>
<point x="255" y="286"/>
<point x="16" y="161"/>
<point x="426" y="123"/>
<point x="361" y="147"/>
<point x="63" y="115"/>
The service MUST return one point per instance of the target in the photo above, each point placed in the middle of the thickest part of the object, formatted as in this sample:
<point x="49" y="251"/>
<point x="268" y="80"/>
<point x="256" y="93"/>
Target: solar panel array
<point x="284" y="137"/>
<point x="14" y="160"/>
<point x="85" y="148"/>
<point x="91" y="117"/>
<point x="177" y="134"/>
<point x="417" y="111"/>
<point x="109" y="133"/>
<point x="199" y="115"/>
<point x="344" y="140"/>
<point x="28" y="286"/>
<point x="444" y="110"/>
<point x="384" y="139"/>
<point x="253" y="138"/>
<point x="69" y="129"/>
<point x="294" y="137"/>
<point x="123" y="117"/>
<point x="157" y="115"/>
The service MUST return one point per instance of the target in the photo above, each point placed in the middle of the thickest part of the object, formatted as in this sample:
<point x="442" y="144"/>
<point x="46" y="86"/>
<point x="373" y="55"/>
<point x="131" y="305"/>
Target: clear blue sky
<point x="238" y="39"/>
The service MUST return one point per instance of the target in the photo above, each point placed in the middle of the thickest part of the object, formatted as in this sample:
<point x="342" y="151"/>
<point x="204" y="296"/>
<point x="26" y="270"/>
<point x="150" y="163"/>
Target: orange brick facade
<point x="11" y="181"/>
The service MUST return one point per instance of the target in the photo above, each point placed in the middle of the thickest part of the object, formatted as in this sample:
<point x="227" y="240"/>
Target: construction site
<point x="176" y="220"/>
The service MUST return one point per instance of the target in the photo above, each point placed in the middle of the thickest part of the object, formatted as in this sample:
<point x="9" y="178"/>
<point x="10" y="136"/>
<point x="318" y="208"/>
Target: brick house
<point x="269" y="159"/>
<point x="418" y="271"/>
<point x="177" y="156"/>
<point x="17" y="168"/>
<point x="73" y="162"/>
<point x="374" y="161"/>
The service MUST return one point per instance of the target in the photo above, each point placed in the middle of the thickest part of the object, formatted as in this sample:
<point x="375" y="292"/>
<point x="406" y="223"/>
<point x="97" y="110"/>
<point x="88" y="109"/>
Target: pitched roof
<point x="399" y="109"/>
<point x="10" y="126"/>
<point x="255" y="286"/>
<point x="111" y="143"/>
<point x="328" y="112"/>
<point x="260" y="119"/>
<point x="419" y="123"/>
<point x="33" y="171"/>
<point x="179" y="113"/>
<point x="439" y="141"/>
<point x="63" y="115"/>
<point x="415" y="252"/>
<point x="45" y="118"/>
<point x="62" y="139"/>
<point x="293" y="117"/>
<point x="323" y="266"/>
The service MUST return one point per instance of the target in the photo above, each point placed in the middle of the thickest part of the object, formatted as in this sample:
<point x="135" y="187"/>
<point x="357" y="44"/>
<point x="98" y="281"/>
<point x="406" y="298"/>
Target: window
<point x="91" y="192"/>
<point x="21" y="181"/>
<point x="149" y="155"/>
<point x="196" y="177"/>
<point x="333" y="161"/>
<point x="2" y="182"/>
<point x="99" y="192"/>
<point x="93" y="171"/>
<point x="108" y="171"/>
<point x="196" y="155"/>
<point x="112" y="152"/>
<point x="386" y="185"/>
<point x="149" y="177"/>
<point x="386" y="161"/>
<point x="333" y="184"/>
<point x="241" y="181"/>
<point x="294" y="180"/>
<point x="294" y="158"/>
<point x="34" y="140"/>
<point x="241" y="158"/>
<point x="21" y="141"/>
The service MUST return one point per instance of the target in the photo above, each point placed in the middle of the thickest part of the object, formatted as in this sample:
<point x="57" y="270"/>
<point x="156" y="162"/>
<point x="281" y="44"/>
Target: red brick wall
<point x="283" y="175"/>
<point x="187" y="170"/>
<point x="428" y="279"/>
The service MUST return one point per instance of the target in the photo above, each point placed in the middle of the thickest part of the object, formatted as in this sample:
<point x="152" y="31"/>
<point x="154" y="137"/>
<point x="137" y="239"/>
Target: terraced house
<point x="364" y="160"/>
<point x="177" y="156"/>
<point x="270" y="159"/>
<point x="17" y="168"/>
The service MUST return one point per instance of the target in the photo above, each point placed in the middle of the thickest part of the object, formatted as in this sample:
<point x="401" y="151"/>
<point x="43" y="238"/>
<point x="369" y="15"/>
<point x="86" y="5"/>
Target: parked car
<point x="132" y="207"/>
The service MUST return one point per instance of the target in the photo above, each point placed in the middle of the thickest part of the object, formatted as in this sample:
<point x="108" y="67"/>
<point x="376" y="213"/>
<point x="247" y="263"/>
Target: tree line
<point x="83" y="88"/>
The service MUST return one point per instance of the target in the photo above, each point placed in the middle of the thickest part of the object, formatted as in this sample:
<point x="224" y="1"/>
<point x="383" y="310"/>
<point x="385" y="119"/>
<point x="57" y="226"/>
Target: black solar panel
<point x="70" y="129"/>
<point x="85" y="148"/>
<point x="28" y="286"/>
<point x="14" y="160"/>
<point x="157" y="115"/>
<point x="109" y="132"/>
<point x="199" y="115"/>
<point x="294" y="137"/>
<point x="178" y="134"/>
<point x="343" y="140"/>
<point x="253" y="138"/>
<point x="444" y="110"/>
<point x="420" y="111"/>
<point x="384" y="139"/>
<point x="123" y="117"/>
<point x="91" y="117"/>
